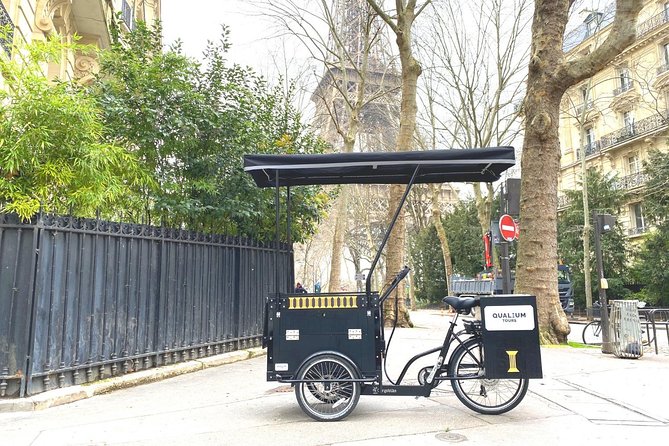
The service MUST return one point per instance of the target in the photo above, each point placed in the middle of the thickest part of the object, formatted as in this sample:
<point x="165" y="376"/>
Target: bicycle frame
<point x="425" y="389"/>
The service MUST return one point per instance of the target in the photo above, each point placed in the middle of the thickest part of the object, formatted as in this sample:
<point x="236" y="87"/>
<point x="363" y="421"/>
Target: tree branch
<point x="386" y="18"/>
<point x="622" y="34"/>
<point x="422" y="8"/>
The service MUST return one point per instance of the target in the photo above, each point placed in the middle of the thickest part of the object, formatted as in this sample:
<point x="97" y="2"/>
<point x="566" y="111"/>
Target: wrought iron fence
<point x="86" y="299"/>
<point x="589" y="149"/>
<point x="583" y="106"/>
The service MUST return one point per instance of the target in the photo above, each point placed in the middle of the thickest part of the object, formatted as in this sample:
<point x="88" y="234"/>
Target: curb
<point x="71" y="394"/>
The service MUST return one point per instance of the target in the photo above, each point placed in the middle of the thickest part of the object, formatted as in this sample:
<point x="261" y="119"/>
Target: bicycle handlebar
<point x="396" y="281"/>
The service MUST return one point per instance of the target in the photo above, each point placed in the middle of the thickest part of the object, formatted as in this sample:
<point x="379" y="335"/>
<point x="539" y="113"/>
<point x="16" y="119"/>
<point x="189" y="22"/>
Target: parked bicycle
<point x="592" y="332"/>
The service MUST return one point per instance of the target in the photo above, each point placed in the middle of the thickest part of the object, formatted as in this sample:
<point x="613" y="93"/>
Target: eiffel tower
<point x="356" y="27"/>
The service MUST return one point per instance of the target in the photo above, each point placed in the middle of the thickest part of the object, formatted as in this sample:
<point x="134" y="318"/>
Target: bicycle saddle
<point x="462" y="304"/>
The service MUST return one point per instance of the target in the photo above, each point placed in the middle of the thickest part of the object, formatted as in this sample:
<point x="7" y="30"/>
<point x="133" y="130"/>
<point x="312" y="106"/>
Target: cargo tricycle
<point x="331" y="346"/>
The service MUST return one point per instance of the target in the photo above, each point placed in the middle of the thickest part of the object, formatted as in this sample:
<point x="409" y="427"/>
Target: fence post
<point x="26" y="386"/>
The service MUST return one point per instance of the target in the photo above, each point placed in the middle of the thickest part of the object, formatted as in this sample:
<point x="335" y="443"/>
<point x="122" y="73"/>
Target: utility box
<point x="511" y="337"/>
<point x="297" y="326"/>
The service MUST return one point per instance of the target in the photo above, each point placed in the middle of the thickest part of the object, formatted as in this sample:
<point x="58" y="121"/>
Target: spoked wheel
<point x="486" y="396"/>
<point x="592" y="333"/>
<point x="329" y="399"/>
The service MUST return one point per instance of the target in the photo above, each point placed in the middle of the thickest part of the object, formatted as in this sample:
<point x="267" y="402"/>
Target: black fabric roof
<point x="436" y="166"/>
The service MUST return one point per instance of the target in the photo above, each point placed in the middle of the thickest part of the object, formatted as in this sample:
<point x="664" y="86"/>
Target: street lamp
<point x="603" y="223"/>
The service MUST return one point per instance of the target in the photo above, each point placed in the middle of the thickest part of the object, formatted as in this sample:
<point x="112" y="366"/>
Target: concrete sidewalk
<point x="71" y="394"/>
<point x="584" y="397"/>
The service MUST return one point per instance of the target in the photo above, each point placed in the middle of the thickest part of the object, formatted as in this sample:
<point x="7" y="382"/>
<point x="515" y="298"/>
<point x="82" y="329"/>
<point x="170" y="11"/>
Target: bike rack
<point x="654" y="317"/>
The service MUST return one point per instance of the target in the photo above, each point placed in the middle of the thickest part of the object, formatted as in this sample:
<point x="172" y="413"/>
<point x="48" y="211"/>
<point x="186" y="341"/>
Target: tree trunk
<point x="395" y="256"/>
<point x="401" y="25"/>
<point x="441" y="233"/>
<point x="307" y="248"/>
<point x="341" y="218"/>
<point x="549" y="77"/>
<point x="484" y="214"/>
<point x="587" y="278"/>
<point x="395" y="260"/>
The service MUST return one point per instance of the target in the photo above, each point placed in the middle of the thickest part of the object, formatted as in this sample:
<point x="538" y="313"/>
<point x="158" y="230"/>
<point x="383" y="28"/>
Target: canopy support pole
<point x="277" y="203"/>
<point x="289" y="239"/>
<point x="368" y="282"/>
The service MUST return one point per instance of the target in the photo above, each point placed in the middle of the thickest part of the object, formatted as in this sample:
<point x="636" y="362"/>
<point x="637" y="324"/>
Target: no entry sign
<point x="507" y="228"/>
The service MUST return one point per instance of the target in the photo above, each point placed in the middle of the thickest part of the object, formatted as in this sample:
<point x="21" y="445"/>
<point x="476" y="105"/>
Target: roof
<point x="436" y="166"/>
<point x="579" y="34"/>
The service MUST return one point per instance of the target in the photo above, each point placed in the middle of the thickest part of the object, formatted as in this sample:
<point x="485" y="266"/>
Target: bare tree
<point x="435" y="207"/>
<point x="473" y="81"/>
<point x="549" y="76"/>
<point x="343" y="36"/>
<point x="401" y="20"/>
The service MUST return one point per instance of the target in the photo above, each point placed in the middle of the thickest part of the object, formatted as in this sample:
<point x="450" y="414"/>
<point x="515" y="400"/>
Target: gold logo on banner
<point x="321" y="302"/>
<point x="512" y="361"/>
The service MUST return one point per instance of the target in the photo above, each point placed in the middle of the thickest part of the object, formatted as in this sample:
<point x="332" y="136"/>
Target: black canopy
<point x="436" y="166"/>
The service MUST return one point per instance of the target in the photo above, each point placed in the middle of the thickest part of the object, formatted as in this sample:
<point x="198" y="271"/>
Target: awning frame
<point x="466" y="165"/>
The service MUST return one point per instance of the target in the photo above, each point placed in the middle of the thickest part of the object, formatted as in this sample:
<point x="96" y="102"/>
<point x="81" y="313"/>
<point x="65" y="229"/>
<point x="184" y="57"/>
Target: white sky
<point x="253" y="38"/>
<point x="202" y="20"/>
<point x="250" y="34"/>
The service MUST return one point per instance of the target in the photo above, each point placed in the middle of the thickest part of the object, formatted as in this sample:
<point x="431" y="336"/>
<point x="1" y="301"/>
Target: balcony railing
<point x="620" y="135"/>
<point x="628" y="132"/>
<point x="563" y="201"/>
<point x="624" y="87"/>
<point x="6" y="21"/>
<point x="585" y="105"/>
<point x="637" y="231"/>
<point x="631" y="181"/>
<point x="590" y="149"/>
<point x="654" y="22"/>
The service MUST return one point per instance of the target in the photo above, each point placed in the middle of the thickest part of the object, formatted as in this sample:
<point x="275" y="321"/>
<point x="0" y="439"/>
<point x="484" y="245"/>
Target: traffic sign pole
<point x="509" y="231"/>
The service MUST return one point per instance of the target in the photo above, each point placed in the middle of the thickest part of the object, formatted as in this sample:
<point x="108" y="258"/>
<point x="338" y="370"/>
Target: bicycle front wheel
<point x="482" y="395"/>
<point x="592" y="333"/>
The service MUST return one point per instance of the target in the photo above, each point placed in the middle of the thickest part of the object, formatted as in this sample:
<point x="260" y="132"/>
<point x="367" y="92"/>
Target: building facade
<point x="90" y="20"/>
<point x="621" y="114"/>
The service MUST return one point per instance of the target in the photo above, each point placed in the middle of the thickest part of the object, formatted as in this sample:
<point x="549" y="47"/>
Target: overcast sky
<point x="202" y="21"/>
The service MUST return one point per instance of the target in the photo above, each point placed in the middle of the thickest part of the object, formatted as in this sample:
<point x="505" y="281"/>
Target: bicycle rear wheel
<point x="482" y="395"/>
<point x="330" y="400"/>
<point x="592" y="333"/>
